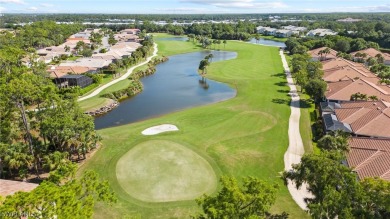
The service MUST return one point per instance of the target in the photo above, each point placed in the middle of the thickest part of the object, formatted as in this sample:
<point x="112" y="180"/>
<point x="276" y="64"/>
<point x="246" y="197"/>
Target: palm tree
<point x="209" y="57"/>
<point x="203" y="66"/>
<point x="113" y="67"/>
<point x="320" y="53"/>
<point x="355" y="96"/>
<point x="67" y="48"/>
<point x="219" y="44"/>
<point x="326" y="51"/>
<point x="224" y="43"/>
<point x="257" y="37"/>
<point x="363" y="97"/>
<point x="373" y="98"/>
<point x="379" y="58"/>
<point x="214" y="42"/>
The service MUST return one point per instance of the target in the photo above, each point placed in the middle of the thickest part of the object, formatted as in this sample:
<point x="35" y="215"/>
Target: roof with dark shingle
<point x="332" y="124"/>
<point x="329" y="106"/>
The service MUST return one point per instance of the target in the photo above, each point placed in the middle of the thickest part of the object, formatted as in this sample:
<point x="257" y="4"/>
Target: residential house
<point x="328" y="107"/>
<point x="343" y="90"/>
<point x="346" y="73"/>
<point x="369" y="157"/>
<point x="283" y="33"/>
<point x="349" y="20"/>
<point x="83" y="35"/>
<point x="340" y="62"/>
<point x="318" y="56"/>
<point x="59" y="71"/>
<point x="73" y="80"/>
<point x="130" y="31"/>
<point x="126" y="37"/>
<point x="97" y="63"/>
<point x="266" y="30"/>
<point x="371" y="52"/>
<point x="361" y="118"/>
<point x="261" y="29"/>
<point x="320" y="32"/>
<point x="49" y="53"/>
<point x="331" y="124"/>
<point x="295" y="30"/>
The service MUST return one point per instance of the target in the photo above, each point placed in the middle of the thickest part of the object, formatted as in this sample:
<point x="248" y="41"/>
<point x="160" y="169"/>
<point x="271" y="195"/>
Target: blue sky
<point x="191" y="6"/>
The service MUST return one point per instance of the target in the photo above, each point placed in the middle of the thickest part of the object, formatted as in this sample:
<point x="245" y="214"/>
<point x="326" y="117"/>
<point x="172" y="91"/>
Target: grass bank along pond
<point x="175" y="85"/>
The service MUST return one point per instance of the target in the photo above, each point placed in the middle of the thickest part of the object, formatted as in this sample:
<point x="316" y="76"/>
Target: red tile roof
<point x="342" y="90"/>
<point x="345" y="73"/>
<point x="364" y="104"/>
<point x="9" y="187"/>
<point x="340" y="62"/>
<point x="315" y="53"/>
<point x="370" y="157"/>
<point x="371" y="52"/>
<point x="59" y="71"/>
<point x="366" y="118"/>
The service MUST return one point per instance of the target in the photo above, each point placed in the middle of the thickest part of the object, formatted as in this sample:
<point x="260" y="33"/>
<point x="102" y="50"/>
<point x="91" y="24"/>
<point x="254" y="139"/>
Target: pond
<point x="176" y="85"/>
<point x="178" y="38"/>
<point x="267" y="42"/>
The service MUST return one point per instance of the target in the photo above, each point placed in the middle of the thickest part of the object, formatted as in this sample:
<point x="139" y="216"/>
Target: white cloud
<point x="380" y="8"/>
<point x="2" y="9"/>
<point x="243" y="4"/>
<point x="191" y="10"/>
<point x="46" y="5"/>
<point x="12" y="1"/>
<point x="32" y="9"/>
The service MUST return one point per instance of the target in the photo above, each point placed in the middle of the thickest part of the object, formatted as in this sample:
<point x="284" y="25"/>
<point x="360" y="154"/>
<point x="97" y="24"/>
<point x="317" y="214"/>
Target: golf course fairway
<point x="240" y="137"/>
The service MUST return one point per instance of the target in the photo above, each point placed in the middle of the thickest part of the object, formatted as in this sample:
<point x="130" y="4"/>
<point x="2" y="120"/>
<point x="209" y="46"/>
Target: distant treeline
<point x="374" y="27"/>
<point x="19" y="18"/>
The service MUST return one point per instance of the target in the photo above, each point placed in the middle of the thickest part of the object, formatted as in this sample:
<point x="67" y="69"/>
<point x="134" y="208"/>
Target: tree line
<point x="43" y="130"/>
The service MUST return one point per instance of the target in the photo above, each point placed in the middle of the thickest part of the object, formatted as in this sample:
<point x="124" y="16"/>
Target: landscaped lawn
<point x="244" y="136"/>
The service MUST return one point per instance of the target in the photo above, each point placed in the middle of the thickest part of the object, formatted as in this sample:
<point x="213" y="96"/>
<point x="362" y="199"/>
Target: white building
<point x="266" y="30"/>
<point x="283" y="33"/>
<point x="320" y="32"/>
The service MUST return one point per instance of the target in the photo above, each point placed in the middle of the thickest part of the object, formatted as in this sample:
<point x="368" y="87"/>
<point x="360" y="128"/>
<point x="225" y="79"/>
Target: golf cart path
<point x="295" y="149"/>
<point x="123" y="77"/>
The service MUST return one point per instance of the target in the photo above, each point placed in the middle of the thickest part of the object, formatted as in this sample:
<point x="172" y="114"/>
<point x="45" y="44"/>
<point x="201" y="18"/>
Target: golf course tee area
<point x="159" y="176"/>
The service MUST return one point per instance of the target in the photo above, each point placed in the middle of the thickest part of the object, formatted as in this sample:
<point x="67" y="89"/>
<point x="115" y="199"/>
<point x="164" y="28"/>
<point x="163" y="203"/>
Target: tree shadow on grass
<point x="279" y="75"/>
<point x="281" y="84"/>
<point x="283" y="91"/>
<point x="281" y="101"/>
<point x="305" y="104"/>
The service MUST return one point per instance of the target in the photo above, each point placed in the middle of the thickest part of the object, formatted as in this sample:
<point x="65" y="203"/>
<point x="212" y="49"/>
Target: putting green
<point x="163" y="171"/>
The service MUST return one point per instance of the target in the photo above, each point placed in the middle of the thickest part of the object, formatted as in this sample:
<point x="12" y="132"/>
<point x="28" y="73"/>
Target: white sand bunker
<point x="159" y="129"/>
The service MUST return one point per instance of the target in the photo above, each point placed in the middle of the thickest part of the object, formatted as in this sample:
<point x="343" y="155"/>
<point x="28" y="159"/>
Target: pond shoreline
<point x="175" y="86"/>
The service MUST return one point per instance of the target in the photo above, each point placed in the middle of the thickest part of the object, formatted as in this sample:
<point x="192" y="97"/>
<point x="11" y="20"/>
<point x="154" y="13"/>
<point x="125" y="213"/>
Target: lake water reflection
<point x="176" y="85"/>
<point x="268" y="42"/>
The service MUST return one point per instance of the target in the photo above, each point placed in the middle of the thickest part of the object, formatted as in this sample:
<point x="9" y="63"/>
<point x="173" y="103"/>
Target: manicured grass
<point x="307" y="107"/>
<point x="244" y="136"/>
<point x="162" y="171"/>
<point x="274" y="38"/>
<point x="94" y="104"/>
<point x="168" y="48"/>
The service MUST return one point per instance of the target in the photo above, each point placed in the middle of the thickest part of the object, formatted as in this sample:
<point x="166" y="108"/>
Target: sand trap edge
<point x="159" y="129"/>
